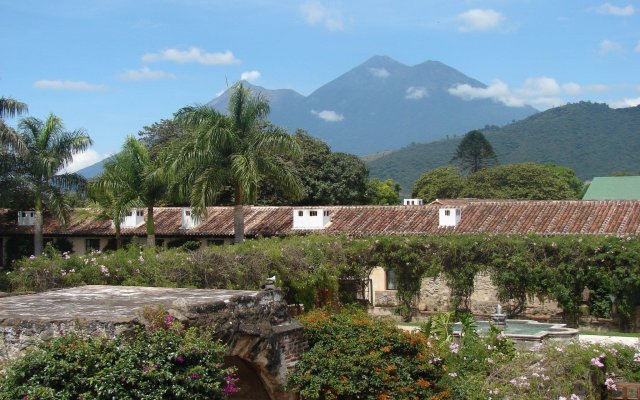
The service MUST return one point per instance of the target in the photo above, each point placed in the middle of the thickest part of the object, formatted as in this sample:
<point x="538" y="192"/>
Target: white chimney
<point x="188" y="219"/>
<point x="133" y="219"/>
<point x="412" y="202"/>
<point x="311" y="218"/>
<point x="26" y="218"/>
<point x="449" y="216"/>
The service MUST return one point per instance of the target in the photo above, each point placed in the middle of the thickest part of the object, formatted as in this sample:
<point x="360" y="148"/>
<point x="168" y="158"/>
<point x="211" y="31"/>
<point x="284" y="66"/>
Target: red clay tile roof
<point x="620" y="218"/>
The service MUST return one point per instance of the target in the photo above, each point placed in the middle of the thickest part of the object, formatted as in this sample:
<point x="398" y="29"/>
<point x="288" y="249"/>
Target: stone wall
<point x="256" y="326"/>
<point x="435" y="296"/>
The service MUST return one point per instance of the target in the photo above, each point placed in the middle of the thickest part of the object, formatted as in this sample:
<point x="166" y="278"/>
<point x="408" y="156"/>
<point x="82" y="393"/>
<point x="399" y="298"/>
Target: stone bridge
<point x="263" y="341"/>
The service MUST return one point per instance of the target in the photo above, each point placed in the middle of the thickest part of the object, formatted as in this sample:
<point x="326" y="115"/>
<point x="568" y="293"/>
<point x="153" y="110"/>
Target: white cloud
<point x="317" y="14"/>
<point x="85" y="159"/>
<point x="250" y="76"/>
<point x="416" y="93"/>
<point x="193" y="55"/>
<point x="542" y="92"/>
<point x="624" y="103"/>
<point x="637" y="48"/>
<point x="608" y="47"/>
<point x="572" y="89"/>
<point x="328" y="115"/>
<point x="68" y="85"/>
<point x="610" y="9"/>
<point x="144" y="73"/>
<point x="480" y="20"/>
<point x="379" y="72"/>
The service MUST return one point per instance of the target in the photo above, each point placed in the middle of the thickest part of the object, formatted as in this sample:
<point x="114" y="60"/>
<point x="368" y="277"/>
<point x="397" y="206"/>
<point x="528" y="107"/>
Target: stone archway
<point x="249" y="382"/>
<point x="256" y="326"/>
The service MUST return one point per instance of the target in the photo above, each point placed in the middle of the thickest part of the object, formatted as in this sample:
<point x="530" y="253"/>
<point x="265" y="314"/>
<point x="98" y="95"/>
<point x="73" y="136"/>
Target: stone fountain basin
<point x="526" y="333"/>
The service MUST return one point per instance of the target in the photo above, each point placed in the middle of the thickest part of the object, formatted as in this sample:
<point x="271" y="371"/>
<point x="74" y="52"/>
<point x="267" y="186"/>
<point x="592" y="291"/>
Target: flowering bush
<point x="165" y="361"/>
<point x="354" y="356"/>
<point x="572" y="371"/>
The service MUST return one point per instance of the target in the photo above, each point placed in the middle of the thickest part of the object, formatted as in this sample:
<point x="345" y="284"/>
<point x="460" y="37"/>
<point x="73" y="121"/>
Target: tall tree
<point x="474" y="152"/>
<point x="48" y="150"/>
<point x="237" y="150"/>
<point x="130" y="179"/>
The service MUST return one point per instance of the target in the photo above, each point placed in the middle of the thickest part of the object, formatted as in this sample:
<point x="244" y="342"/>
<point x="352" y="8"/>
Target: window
<point x="300" y="213"/>
<point x="447" y="212"/>
<point x="391" y="279"/>
<point x="159" y="242"/>
<point x="313" y="213"/>
<point x="458" y="211"/>
<point x="130" y="213"/>
<point x="215" y="242"/>
<point x="326" y="213"/>
<point x="187" y="213"/>
<point x="139" y="213"/>
<point x="91" y="245"/>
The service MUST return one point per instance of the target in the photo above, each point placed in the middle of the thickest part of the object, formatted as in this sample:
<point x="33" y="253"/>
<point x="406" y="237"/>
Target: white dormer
<point x="449" y="216"/>
<point x="412" y="202"/>
<point x="311" y="218"/>
<point x="26" y="218"/>
<point x="188" y="219"/>
<point x="133" y="219"/>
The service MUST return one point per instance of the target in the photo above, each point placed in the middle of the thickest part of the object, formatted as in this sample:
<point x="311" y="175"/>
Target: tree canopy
<point x="525" y="181"/>
<point x="439" y="183"/>
<point x="474" y="152"/>
<point x="238" y="150"/>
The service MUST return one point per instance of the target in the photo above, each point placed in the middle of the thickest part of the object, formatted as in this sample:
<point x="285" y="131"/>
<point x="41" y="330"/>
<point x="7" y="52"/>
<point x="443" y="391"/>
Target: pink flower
<point x="454" y="347"/>
<point x="597" y="362"/>
<point x="180" y="359"/>
<point x="195" y="376"/>
<point x="610" y="384"/>
<point x="636" y="357"/>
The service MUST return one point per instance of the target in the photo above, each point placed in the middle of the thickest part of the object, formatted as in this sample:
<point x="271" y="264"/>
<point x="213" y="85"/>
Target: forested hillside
<point x="592" y="139"/>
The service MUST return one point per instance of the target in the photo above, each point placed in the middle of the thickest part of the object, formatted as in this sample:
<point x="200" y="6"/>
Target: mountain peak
<point x="381" y="61"/>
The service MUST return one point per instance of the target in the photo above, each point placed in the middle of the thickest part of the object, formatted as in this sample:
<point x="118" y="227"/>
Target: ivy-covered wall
<point x="313" y="269"/>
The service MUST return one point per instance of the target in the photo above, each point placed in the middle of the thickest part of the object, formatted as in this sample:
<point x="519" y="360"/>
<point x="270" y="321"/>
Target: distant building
<point x="614" y="188"/>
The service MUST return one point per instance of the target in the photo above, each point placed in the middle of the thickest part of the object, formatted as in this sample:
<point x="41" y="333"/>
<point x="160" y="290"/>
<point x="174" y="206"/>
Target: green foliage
<point x="310" y="269"/>
<point x="474" y="152"/>
<point x="439" y="183"/>
<point x="352" y="356"/>
<point x="166" y="361"/>
<point x="327" y="178"/>
<point x="591" y="139"/>
<point x="383" y="193"/>
<point x="550" y="371"/>
<point x="527" y="181"/>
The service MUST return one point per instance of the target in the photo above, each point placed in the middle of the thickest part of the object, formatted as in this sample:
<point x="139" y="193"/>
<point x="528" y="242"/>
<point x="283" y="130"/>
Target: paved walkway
<point x="629" y="341"/>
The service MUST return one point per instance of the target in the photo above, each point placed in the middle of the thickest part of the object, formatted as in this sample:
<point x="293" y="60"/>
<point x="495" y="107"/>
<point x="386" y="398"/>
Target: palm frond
<point x="10" y="107"/>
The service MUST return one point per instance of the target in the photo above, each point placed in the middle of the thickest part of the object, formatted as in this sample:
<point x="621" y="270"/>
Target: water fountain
<point x="499" y="318"/>
<point x="524" y="333"/>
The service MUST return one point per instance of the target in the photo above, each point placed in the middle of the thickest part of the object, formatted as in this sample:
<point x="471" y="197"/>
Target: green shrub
<point x="353" y="356"/>
<point x="166" y="361"/>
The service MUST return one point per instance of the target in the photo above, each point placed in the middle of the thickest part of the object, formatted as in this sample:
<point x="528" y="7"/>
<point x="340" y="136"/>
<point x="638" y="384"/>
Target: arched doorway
<point x="250" y="384"/>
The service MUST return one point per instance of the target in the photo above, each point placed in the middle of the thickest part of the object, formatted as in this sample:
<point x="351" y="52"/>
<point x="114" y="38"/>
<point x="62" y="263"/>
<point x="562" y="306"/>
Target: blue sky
<point x="114" y="66"/>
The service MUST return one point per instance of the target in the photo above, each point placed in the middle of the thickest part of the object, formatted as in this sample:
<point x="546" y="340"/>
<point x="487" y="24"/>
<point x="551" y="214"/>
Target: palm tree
<point x="48" y="150"/>
<point x="130" y="179"/>
<point x="8" y="137"/>
<point x="237" y="151"/>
